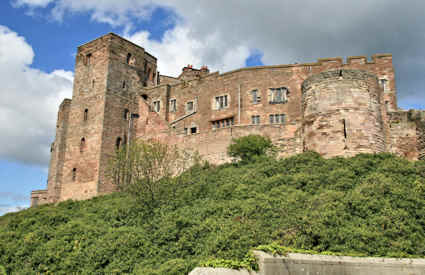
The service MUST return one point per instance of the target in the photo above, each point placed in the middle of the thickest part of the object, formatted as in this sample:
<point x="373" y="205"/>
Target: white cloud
<point x="178" y="48"/>
<point x="33" y="3"/>
<point x="214" y="32"/>
<point x="29" y="100"/>
<point x="9" y="209"/>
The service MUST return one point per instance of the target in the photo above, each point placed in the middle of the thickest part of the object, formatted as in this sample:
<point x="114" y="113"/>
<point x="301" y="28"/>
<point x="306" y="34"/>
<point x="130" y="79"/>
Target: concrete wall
<point x="304" y="264"/>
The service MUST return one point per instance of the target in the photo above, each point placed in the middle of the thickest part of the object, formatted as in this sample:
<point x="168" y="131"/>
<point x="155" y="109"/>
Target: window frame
<point x="156" y="105"/>
<point x="255" y="98"/>
<point x="255" y="120"/>
<point x="173" y="105"/>
<point x="221" y="102"/>
<point x="278" y="95"/>
<point x="192" y="102"/>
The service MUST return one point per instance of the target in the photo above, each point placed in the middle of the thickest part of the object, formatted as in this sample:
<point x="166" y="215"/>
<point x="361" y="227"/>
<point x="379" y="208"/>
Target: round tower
<point x="342" y="113"/>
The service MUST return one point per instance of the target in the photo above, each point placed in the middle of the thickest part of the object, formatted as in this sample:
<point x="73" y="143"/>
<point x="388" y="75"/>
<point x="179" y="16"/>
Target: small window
<point x="92" y="83"/>
<point x="128" y="58"/>
<point x="118" y="143"/>
<point x="157" y="106"/>
<point x="74" y="174"/>
<point x="123" y="84"/>
<point x="277" y="119"/>
<point x="88" y="59"/>
<point x="278" y="95"/>
<point x="145" y="97"/>
<point x="193" y="130"/>
<point x="126" y="112"/>
<point x="86" y="114"/>
<point x="384" y="83"/>
<point x="255" y="119"/>
<point x="82" y="145"/>
<point x="189" y="106"/>
<point x="255" y="98"/>
<point x="185" y="131"/>
<point x="173" y="105"/>
<point x="221" y="102"/>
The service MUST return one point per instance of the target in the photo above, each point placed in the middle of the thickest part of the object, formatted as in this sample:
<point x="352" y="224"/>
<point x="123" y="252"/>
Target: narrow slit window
<point x="74" y="174"/>
<point x="88" y="59"/>
<point x="345" y="128"/>
<point x="86" y="114"/>
<point x="118" y="143"/>
<point x="82" y="145"/>
<point x="173" y="105"/>
<point x="128" y="58"/>
<point x="123" y="84"/>
<point x="255" y="99"/>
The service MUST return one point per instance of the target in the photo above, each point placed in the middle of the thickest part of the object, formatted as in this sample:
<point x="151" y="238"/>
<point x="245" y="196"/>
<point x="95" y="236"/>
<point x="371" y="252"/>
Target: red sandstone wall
<point x="106" y="84"/>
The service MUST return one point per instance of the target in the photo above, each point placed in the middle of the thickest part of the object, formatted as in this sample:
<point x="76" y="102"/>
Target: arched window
<point x="126" y="111"/>
<point x="118" y="143"/>
<point x="128" y="58"/>
<point x="74" y="174"/>
<point x="86" y="114"/>
<point x="82" y="145"/>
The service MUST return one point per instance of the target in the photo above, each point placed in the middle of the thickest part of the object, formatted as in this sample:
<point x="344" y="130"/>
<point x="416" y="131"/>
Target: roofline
<point x="116" y="35"/>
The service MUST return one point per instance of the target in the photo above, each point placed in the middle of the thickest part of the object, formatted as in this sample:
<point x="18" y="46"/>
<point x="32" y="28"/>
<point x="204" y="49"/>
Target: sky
<point x="38" y="41"/>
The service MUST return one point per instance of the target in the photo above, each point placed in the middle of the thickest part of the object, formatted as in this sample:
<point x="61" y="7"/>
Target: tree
<point x="146" y="167"/>
<point x="249" y="147"/>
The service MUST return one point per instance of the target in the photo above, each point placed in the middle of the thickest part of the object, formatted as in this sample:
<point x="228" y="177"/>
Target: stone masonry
<point x="333" y="107"/>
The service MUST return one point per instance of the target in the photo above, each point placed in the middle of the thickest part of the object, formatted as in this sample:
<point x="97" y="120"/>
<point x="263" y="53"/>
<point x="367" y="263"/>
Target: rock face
<point x="335" y="108"/>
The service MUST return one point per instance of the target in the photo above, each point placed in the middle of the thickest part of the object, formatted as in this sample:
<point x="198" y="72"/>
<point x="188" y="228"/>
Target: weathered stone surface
<point x="335" y="108"/>
<point x="303" y="264"/>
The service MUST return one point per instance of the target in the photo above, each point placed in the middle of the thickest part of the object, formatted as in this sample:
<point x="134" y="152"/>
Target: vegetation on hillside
<point x="365" y="205"/>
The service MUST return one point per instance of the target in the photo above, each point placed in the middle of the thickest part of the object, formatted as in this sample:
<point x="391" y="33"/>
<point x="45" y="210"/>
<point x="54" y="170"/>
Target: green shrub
<point x="249" y="147"/>
<point x="370" y="205"/>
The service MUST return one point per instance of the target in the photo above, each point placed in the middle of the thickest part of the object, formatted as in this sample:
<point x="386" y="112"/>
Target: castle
<point x="333" y="107"/>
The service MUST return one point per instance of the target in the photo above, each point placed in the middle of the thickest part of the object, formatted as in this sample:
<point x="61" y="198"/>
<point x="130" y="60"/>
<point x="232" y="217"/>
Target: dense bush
<point x="250" y="147"/>
<point x="365" y="205"/>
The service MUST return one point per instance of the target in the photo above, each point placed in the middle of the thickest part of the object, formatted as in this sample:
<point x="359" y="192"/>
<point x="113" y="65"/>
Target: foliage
<point x="2" y="270"/>
<point x="144" y="167"/>
<point x="247" y="148"/>
<point x="371" y="205"/>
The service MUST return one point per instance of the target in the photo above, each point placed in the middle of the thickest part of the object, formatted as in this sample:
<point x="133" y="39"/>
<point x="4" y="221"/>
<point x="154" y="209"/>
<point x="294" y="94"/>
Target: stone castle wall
<point x="335" y="108"/>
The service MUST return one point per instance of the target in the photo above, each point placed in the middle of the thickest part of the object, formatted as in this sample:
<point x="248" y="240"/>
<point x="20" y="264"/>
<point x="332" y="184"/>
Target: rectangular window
<point x="223" y="123"/>
<point x="384" y="83"/>
<point x="278" y="95"/>
<point x="189" y="106"/>
<point x="221" y="102"/>
<point x="193" y="130"/>
<point x="255" y="119"/>
<point x="277" y="118"/>
<point x="173" y="105"/>
<point x="157" y="106"/>
<point x="255" y="98"/>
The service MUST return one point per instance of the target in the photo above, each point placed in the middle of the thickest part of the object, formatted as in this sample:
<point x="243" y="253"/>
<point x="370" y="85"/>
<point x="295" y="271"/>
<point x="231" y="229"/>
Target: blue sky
<point x="38" y="41"/>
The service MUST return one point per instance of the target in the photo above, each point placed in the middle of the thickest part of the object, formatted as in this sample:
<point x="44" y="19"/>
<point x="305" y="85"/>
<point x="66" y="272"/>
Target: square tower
<point x="108" y="73"/>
